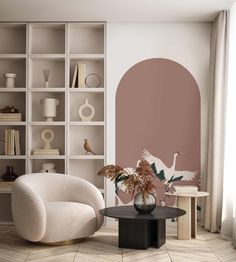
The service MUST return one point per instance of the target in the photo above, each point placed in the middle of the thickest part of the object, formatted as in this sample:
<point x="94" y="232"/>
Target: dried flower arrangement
<point x="137" y="181"/>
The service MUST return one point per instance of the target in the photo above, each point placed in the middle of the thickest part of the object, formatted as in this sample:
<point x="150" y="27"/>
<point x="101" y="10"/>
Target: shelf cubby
<point x="12" y="38"/>
<point x="92" y="66"/>
<point x="88" y="170"/>
<point x="36" y="142"/>
<point x="56" y="74"/>
<point x="94" y="134"/>
<point x="94" y="99"/>
<point x="22" y="135"/>
<point x="16" y="66"/>
<point x="47" y="38"/>
<point x="86" y="38"/>
<point x="35" y="165"/>
<point x="37" y="108"/>
<point x="16" y="99"/>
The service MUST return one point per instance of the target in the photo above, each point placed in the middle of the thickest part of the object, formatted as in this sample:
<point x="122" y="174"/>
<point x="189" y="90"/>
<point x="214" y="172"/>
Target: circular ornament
<point x="93" y="80"/>
<point x="86" y="106"/>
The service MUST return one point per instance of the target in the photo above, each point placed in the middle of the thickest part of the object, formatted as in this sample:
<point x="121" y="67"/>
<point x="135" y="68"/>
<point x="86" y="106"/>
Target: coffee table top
<point x="129" y="212"/>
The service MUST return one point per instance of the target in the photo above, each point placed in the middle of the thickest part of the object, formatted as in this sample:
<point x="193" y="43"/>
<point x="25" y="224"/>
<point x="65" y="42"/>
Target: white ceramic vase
<point x="10" y="79"/>
<point x="49" y="108"/>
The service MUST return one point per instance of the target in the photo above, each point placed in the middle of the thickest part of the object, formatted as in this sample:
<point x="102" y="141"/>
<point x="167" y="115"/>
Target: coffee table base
<point x="141" y="234"/>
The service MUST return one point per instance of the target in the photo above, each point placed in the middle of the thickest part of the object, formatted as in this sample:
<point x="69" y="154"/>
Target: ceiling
<point x="112" y="10"/>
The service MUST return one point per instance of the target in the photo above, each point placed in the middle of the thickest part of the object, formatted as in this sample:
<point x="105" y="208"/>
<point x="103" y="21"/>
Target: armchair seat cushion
<point x="68" y="220"/>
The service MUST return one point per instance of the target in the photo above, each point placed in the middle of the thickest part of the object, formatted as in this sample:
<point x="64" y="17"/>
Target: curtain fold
<point x="228" y="229"/>
<point x="217" y="101"/>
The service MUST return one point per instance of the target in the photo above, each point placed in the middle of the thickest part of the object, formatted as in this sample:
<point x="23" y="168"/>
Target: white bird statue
<point x="170" y="173"/>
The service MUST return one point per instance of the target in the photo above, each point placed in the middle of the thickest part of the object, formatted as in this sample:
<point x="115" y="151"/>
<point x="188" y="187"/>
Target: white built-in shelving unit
<point x="28" y="48"/>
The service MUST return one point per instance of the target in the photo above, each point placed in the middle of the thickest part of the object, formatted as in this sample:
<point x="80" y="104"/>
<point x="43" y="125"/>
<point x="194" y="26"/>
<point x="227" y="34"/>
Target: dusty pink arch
<point x="158" y="108"/>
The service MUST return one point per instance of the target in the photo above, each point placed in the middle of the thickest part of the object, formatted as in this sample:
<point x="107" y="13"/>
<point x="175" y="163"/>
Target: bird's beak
<point x="181" y="153"/>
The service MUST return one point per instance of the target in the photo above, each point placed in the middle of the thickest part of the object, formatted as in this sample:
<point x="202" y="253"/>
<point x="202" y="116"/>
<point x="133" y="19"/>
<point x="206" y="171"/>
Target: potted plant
<point x="137" y="182"/>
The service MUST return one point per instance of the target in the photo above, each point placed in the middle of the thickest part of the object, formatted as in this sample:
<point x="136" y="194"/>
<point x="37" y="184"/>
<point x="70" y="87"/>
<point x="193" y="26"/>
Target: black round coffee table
<point x="142" y="231"/>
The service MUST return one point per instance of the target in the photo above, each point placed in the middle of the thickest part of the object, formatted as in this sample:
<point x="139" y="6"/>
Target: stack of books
<point x="185" y="189"/>
<point x="79" y="76"/>
<point x="12" y="142"/>
<point x="46" y="152"/>
<point x="10" y="117"/>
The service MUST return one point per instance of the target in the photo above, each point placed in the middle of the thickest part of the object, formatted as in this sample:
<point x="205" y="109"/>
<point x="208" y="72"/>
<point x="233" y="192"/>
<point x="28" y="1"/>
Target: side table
<point x="187" y="224"/>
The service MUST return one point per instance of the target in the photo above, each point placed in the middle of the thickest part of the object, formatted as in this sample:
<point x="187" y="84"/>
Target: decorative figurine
<point x="87" y="147"/>
<point x="47" y="136"/>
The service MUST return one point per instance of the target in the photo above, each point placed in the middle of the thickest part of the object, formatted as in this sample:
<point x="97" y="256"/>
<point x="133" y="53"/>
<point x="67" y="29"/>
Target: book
<point x="185" y="189"/>
<point x="17" y="143"/>
<point x="74" y="76"/>
<point x="12" y="142"/>
<point x="8" y="117"/>
<point x="46" y="152"/>
<point x="81" y="75"/>
<point x="6" y="141"/>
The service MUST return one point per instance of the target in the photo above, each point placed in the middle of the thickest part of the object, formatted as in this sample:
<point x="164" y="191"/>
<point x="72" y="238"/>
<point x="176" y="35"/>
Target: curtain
<point x="216" y="119"/>
<point x="228" y="229"/>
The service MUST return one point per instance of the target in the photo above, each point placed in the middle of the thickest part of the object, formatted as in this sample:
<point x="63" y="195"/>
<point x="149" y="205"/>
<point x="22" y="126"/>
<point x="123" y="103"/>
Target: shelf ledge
<point x="47" y="157"/>
<point x="47" y="123"/>
<point x="12" y="157"/>
<point x="47" y="89"/>
<point x="87" y="89"/>
<point x="14" y="89"/>
<point x="91" y="123"/>
<point x="86" y="157"/>
<point x="47" y="56"/>
<point x="8" y="123"/>
<point x="12" y="56"/>
<point x="96" y="57"/>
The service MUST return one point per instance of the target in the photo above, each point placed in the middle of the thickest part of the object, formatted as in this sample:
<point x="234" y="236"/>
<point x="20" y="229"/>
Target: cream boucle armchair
<point x="51" y="208"/>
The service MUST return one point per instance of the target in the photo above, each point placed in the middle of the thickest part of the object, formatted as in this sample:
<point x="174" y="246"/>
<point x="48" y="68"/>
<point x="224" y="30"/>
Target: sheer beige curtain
<point x="217" y="93"/>
<point x="228" y="229"/>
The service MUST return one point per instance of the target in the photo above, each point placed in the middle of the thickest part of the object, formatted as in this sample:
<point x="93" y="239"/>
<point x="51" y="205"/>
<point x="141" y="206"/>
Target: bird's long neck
<point x="174" y="160"/>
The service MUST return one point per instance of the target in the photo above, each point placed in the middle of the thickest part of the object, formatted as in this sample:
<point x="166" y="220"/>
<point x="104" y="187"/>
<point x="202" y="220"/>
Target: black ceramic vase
<point x="9" y="175"/>
<point x="144" y="203"/>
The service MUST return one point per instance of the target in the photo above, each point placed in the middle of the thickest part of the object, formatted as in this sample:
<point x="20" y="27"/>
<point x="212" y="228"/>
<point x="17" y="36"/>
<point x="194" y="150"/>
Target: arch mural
<point x="158" y="115"/>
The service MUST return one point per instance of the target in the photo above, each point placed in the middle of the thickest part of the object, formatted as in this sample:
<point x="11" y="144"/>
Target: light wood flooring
<point x="102" y="247"/>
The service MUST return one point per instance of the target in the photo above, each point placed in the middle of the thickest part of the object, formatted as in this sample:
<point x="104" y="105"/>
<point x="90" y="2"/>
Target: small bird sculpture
<point x="87" y="147"/>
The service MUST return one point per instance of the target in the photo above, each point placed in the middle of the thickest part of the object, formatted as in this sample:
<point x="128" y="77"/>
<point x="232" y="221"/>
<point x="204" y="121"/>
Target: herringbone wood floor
<point x="102" y="247"/>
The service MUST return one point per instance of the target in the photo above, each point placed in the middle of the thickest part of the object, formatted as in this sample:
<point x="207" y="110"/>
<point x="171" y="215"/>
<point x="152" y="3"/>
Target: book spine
<point x="17" y="142"/>
<point x="74" y="76"/>
<point x="6" y="144"/>
<point x="12" y="136"/>
<point x="81" y="75"/>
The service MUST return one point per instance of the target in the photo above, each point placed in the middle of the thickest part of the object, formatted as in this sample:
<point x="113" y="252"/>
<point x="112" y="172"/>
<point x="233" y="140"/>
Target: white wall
<point x="130" y="43"/>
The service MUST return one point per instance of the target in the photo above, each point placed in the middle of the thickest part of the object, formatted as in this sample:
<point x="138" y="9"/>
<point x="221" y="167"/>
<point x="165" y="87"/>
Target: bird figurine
<point x="87" y="147"/>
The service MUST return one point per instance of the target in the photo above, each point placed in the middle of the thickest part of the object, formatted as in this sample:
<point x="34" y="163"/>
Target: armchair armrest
<point x="28" y="212"/>
<point x="87" y="193"/>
